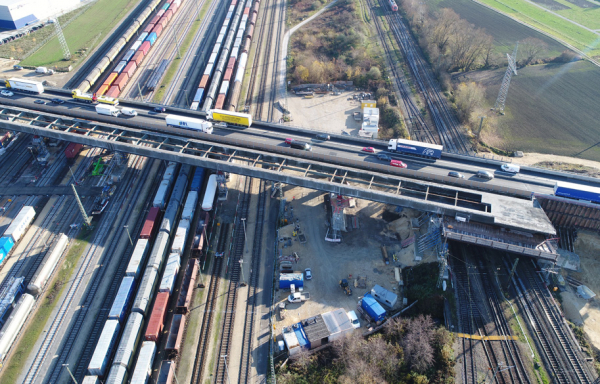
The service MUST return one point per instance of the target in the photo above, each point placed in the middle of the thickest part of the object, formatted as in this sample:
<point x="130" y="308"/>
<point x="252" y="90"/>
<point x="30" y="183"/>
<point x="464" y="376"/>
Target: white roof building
<point x="371" y="121"/>
<point x="15" y="14"/>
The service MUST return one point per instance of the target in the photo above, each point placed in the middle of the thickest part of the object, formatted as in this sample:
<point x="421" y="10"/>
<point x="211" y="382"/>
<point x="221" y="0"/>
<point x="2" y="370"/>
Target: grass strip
<point x="15" y="365"/>
<point x="184" y="47"/>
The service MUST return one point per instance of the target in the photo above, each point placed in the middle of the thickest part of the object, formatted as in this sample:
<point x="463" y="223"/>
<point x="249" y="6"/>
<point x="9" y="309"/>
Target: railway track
<point x="246" y="354"/>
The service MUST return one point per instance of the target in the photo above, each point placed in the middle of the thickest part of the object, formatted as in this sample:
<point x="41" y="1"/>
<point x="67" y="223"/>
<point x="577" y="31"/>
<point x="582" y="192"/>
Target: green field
<point x="589" y="16"/>
<point x="83" y="34"/>
<point x="549" y="109"/>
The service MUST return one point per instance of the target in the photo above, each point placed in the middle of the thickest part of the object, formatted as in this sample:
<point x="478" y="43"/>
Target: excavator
<point x="345" y="287"/>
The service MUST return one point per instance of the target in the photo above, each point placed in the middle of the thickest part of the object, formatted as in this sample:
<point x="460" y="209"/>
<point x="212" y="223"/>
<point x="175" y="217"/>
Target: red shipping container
<point x="155" y="18"/>
<point x="203" y="82"/>
<point x="102" y="90"/>
<point x="227" y="75"/>
<point x="149" y="28"/>
<point x="157" y="319"/>
<point x="161" y="13"/>
<point x="73" y="150"/>
<point x="139" y="55"/>
<point x="113" y="92"/>
<point x="130" y="69"/>
<point x="174" y="8"/>
<point x="246" y="11"/>
<point x="164" y="21"/>
<point x="151" y="224"/>
<point x="231" y="62"/>
<point x="110" y="79"/>
<point x="158" y="29"/>
<point x="220" y="101"/>
<point x="145" y="47"/>
<point x="168" y="14"/>
<point x="121" y="81"/>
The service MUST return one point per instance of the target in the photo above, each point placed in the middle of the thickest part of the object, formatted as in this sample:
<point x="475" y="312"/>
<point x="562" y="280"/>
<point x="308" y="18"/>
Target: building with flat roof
<point x="316" y="331"/>
<point x="338" y="323"/>
<point x="15" y="14"/>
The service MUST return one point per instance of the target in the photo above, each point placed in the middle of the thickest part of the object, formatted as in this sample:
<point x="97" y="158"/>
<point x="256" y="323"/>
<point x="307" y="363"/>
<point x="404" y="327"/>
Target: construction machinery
<point x="345" y="287"/>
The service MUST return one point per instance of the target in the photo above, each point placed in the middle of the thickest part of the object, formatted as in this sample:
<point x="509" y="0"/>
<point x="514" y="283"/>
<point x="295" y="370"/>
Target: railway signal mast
<point x="512" y="68"/>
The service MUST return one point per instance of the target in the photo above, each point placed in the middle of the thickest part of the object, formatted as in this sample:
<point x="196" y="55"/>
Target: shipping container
<point x="120" y="306"/>
<point x="175" y="335"/>
<point x="204" y="81"/>
<point x="167" y="371"/>
<point x="189" y="207"/>
<point x="143" y="366"/>
<point x="102" y="90"/>
<point x="372" y="307"/>
<point x="161" y="195"/>
<point x="208" y="70"/>
<point x="19" y="225"/>
<point x="111" y="78"/>
<point x="138" y="257"/>
<point x="197" y="180"/>
<point x="158" y="28"/>
<point x="104" y="348"/>
<point x="90" y="380"/>
<point x="142" y="36"/>
<point x="231" y="62"/>
<point x="122" y="80"/>
<point x="121" y="66"/>
<point x="210" y="193"/>
<point x="144" y="294"/>
<point x="179" y="189"/>
<point x="180" y="237"/>
<point x="157" y="318"/>
<point x="130" y="69"/>
<point x="129" y="340"/>
<point x="166" y="6"/>
<point x="168" y="15"/>
<point x="148" y="29"/>
<point x="171" y="171"/>
<point x="287" y="279"/>
<point x="161" y="12"/>
<point x="156" y="18"/>
<point x="136" y="45"/>
<point x="223" y="89"/>
<point x="6" y="245"/>
<point x="151" y="223"/>
<point x="198" y="95"/>
<point x="227" y="75"/>
<point x="152" y="37"/>
<point x="128" y="55"/>
<point x="159" y="251"/>
<point x="138" y="57"/>
<point x="113" y="92"/>
<point x="145" y="47"/>
<point x="73" y="150"/>
<point x="41" y="277"/>
<point x="168" y="221"/>
<point x="169" y="277"/>
<point x="187" y="287"/>
<point x="117" y="375"/>
<point x="174" y="8"/>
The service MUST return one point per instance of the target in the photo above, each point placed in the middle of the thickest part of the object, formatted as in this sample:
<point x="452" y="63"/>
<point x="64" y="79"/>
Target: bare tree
<point x="531" y="49"/>
<point x="418" y="351"/>
<point x="468" y="97"/>
<point x="443" y="28"/>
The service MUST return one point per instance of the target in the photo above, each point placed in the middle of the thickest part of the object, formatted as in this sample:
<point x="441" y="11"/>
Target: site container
<point x="148" y="29"/>
<point x="136" y="262"/>
<point x="102" y="90"/>
<point x="167" y="371"/>
<point x="6" y="245"/>
<point x="144" y="294"/>
<point x="158" y="28"/>
<point x="189" y="207"/>
<point x="287" y="279"/>
<point x="117" y="375"/>
<point x="372" y="307"/>
<point x="151" y="224"/>
<point x="180" y="237"/>
<point x="113" y="92"/>
<point x="122" y="80"/>
<point x="175" y="335"/>
<point x="129" y="340"/>
<point x="138" y="57"/>
<point x="136" y="45"/>
<point x="161" y="195"/>
<point x="130" y="69"/>
<point x="157" y="318"/>
<point x="118" y="310"/>
<point x="106" y="344"/>
<point x="210" y="193"/>
<point x="73" y="150"/>
<point x="167" y="283"/>
<point x="187" y="287"/>
<point x="128" y="55"/>
<point x="19" y="225"/>
<point x="120" y="66"/>
<point x="144" y="47"/>
<point x="90" y="380"/>
<point x="197" y="179"/>
<point x="159" y="250"/>
<point x="143" y="366"/>
<point x="168" y="221"/>
<point x="152" y="37"/>
<point x="111" y="78"/>
<point x="142" y="36"/>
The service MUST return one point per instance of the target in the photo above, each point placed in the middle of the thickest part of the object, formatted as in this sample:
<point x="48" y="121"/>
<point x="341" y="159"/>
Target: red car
<point x="288" y="141"/>
<point x="368" y="149"/>
<point x="398" y="163"/>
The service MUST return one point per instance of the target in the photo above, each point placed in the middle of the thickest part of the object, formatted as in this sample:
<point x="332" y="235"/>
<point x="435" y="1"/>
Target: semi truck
<point x="189" y="123"/>
<point x="579" y="192"/>
<point x="108" y="110"/>
<point x="25" y="85"/>
<point x="416" y="148"/>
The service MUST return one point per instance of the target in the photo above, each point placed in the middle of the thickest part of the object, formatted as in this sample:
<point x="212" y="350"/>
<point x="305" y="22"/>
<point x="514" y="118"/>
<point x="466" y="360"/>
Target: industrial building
<point x="15" y="14"/>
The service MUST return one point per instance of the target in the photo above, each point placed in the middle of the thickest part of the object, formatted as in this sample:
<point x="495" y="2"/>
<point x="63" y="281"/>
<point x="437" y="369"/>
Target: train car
<point x="234" y="118"/>
<point x="73" y="150"/>
<point x="15" y="322"/>
<point x="210" y="193"/>
<point x="175" y="335"/>
<point x="116" y="375"/>
<point x="167" y="371"/>
<point x="190" y="123"/>
<point x="393" y="5"/>
<point x="157" y="317"/>
<point x="41" y="278"/>
<point x="90" y="380"/>
<point x="168" y="221"/>
<point x="187" y="287"/>
<point x="19" y="225"/>
<point x="151" y="223"/>
<point x="189" y="208"/>
<point x="576" y="191"/>
<point x="22" y="85"/>
<point x="201" y="235"/>
<point x="143" y="366"/>
<point x="144" y="295"/>
<point x="159" y="251"/>
<point x="118" y="310"/>
<point x="167" y="283"/>
<point x="416" y="148"/>
<point x="6" y="245"/>
<point x="136" y="262"/>
<point x="13" y="290"/>
<point x="179" y="240"/>
<point x="161" y="194"/>
<point x="104" y="348"/>
<point x="171" y="171"/>
<point x="197" y="179"/>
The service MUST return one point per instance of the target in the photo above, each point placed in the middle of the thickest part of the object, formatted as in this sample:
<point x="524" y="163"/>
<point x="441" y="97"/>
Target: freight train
<point x="393" y="5"/>
<point x="131" y="310"/>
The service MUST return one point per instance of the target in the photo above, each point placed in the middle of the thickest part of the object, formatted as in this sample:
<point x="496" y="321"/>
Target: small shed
<point x="291" y="341"/>
<point x="383" y="296"/>
<point x="338" y="324"/>
<point x="316" y="331"/>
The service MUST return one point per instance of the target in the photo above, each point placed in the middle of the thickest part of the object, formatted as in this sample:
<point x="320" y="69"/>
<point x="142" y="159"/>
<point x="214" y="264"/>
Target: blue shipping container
<point x="197" y="180"/>
<point x="129" y="55"/>
<point x="166" y="6"/>
<point x="287" y="279"/>
<point x="199" y="94"/>
<point x="143" y="36"/>
<point x="122" y="64"/>
<point x="118" y="311"/>
<point x="151" y="38"/>
<point x="6" y="244"/>
<point x="372" y="307"/>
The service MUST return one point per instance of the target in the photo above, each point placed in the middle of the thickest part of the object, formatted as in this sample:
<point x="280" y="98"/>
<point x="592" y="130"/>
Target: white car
<point x="353" y="319"/>
<point x="308" y="273"/>
<point x="7" y="93"/>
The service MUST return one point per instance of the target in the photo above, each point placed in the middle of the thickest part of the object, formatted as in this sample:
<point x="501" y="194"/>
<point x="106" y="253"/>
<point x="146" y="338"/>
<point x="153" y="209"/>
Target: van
<point x="510" y="168"/>
<point x="353" y="319"/>
<point x="484" y="175"/>
<point x="41" y="70"/>
<point x="128" y="111"/>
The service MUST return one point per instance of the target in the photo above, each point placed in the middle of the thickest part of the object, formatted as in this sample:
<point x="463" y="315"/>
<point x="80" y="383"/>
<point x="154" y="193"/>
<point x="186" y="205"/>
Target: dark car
<point x="159" y="109"/>
<point x="456" y="174"/>
<point x="17" y="67"/>
<point x="322" y="136"/>
<point x="384" y="157"/>
<point x="39" y="102"/>
<point x="57" y="101"/>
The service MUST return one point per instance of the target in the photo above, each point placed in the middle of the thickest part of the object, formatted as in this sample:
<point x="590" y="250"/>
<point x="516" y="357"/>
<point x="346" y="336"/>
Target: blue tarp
<point x="301" y="336"/>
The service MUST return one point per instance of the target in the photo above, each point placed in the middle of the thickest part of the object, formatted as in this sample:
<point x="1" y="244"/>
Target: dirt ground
<point x="359" y="253"/>
<point x="576" y="309"/>
<point x="7" y="71"/>
<point x="325" y="113"/>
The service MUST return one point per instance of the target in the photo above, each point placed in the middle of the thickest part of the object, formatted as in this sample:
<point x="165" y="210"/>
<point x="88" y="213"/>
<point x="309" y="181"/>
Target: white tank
<point x="40" y="280"/>
<point x="14" y="324"/>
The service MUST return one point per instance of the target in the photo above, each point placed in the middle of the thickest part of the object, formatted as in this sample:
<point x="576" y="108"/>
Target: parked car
<point x="384" y="157"/>
<point x="323" y="136"/>
<point x="308" y="274"/>
<point x="353" y="319"/>
<point x="398" y="164"/>
<point x="39" y="101"/>
<point x="484" y="175"/>
<point x="368" y="149"/>
<point x="456" y="174"/>
<point x="7" y="93"/>
<point x="57" y="101"/>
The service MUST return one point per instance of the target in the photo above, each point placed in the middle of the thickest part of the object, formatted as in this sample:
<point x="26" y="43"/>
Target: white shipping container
<point x="137" y="258"/>
<point x="136" y="45"/>
<point x="160" y="197"/>
<point x="220" y="38"/>
<point x="159" y="250"/>
<point x="243" y="24"/>
<point x="212" y="58"/>
<point x="194" y="106"/>
<point x="190" y="205"/>
<point x="224" y="88"/>
<point x="170" y="172"/>
<point x="116" y="375"/>
<point x="239" y="75"/>
<point x="14" y="323"/>
<point x="231" y="8"/>
<point x="38" y="283"/>
<point x="129" y="340"/>
<point x="180" y="237"/>
<point x="20" y="223"/>
<point x="90" y="380"/>
<point x="143" y="367"/>
<point x="169" y="276"/>
<point x="234" y="52"/>
<point x="241" y="30"/>
<point x="106" y="343"/>
<point x="216" y="48"/>
<point x="209" y="195"/>
<point x="174" y="259"/>
<point x="144" y="295"/>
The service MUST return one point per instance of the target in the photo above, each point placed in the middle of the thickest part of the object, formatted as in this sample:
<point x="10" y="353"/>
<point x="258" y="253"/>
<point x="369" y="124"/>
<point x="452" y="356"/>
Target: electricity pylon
<point x="512" y="68"/>
<point x="61" y="40"/>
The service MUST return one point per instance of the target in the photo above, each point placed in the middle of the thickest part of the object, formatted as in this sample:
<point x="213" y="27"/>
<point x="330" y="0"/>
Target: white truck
<point x="128" y="111"/>
<point x="190" y="123"/>
<point x="25" y="85"/>
<point x="108" y="110"/>
<point x="298" y="297"/>
<point x="510" y="168"/>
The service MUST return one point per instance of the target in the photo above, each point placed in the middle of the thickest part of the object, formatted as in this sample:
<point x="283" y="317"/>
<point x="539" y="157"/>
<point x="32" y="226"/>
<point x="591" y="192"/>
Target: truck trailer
<point x="189" y="123"/>
<point x="579" y="192"/>
<point x="107" y="110"/>
<point x="25" y="85"/>
<point x="415" y="148"/>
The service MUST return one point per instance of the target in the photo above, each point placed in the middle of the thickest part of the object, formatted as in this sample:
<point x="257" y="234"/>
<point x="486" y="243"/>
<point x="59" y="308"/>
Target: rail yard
<point x="159" y="225"/>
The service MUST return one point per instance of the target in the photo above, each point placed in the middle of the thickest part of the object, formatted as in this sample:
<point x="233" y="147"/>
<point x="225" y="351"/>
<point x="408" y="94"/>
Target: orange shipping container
<point x="138" y="57"/>
<point x="203" y="82"/>
<point x="231" y="62"/>
<point x="114" y="92"/>
<point x="168" y="14"/>
<point x="157" y="318"/>
<point x="121" y="81"/>
<point x="227" y="75"/>
<point x="110" y="79"/>
<point x="220" y="101"/>
<point x="102" y="90"/>
<point x="148" y="28"/>
<point x="158" y="29"/>
<point x="130" y="69"/>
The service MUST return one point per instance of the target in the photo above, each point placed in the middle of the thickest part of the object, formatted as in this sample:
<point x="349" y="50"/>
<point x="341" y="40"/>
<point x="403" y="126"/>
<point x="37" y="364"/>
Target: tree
<point x="468" y="97"/>
<point x="301" y="74"/>
<point x="374" y="73"/>
<point x="443" y="28"/>
<point x="531" y="49"/>
<point x="418" y="351"/>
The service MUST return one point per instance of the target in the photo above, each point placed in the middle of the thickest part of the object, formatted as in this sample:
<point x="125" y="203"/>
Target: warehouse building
<point x="15" y="14"/>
